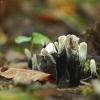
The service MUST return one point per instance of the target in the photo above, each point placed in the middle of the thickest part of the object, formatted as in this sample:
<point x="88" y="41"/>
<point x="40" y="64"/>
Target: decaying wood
<point x="92" y="38"/>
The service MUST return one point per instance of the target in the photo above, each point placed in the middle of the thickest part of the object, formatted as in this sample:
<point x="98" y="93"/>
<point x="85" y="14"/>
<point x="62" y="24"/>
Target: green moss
<point x="87" y="91"/>
<point x="86" y="66"/>
<point x="16" y="94"/>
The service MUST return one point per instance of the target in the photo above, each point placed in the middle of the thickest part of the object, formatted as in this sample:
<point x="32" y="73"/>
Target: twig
<point x="85" y="83"/>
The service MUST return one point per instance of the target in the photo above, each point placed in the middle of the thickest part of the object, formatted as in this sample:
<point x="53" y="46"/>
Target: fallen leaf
<point x="27" y="75"/>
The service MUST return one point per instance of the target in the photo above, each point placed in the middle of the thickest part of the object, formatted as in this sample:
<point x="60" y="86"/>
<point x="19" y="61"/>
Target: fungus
<point x="66" y="55"/>
<point x="93" y="68"/>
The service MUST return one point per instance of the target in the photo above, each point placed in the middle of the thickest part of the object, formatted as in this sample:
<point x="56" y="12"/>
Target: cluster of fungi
<point x="68" y="56"/>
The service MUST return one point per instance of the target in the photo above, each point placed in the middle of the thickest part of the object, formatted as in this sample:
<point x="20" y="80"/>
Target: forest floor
<point x="17" y="82"/>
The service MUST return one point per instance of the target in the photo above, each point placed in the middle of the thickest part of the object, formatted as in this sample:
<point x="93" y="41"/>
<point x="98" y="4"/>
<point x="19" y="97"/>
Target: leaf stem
<point x="32" y="45"/>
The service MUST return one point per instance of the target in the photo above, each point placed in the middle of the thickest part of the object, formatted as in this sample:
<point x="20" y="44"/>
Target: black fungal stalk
<point x="60" y="58"/>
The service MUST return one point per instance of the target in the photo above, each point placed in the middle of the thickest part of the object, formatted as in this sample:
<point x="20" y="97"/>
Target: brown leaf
<point x="27" y="75"/>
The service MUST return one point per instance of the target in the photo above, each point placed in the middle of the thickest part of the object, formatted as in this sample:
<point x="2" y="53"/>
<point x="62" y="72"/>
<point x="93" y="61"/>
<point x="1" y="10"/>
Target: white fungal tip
<point x="50" y="48"/>
<point x="27" y="53"/>
<point x="46" y="54"/>
<point x="56" y="45"/>
<point x="82" y="51"/>
<point x="75" y="39"/>
<point x="67" y="42"/>
<point x="43" y="42"/>
<point x="92" y="66"/>
<point x="71" y="45"/>
<point x="61" y="41"/>
<point x="34" y="63"/>
<point x="74" y="44"/>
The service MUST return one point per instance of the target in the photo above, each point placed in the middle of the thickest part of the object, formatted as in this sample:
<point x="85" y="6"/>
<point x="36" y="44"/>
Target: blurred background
<point x="49" y="17"/>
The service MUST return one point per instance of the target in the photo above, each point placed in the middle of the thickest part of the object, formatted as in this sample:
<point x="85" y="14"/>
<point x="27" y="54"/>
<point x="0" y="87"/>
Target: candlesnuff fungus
<point x="67" y="55"/>
<point x="29" y="57"/>
<point x="76" y="56"/>
<point x="32" y="60"/>
<point x="93" y="68"/>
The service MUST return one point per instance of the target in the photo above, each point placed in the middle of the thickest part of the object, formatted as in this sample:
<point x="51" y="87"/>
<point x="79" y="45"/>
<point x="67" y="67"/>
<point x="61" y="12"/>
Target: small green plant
<point x="21" y="39"/>
<point x="86" y="66"/>
<point x="35" y="39"/>
<point x="87" y="91"/>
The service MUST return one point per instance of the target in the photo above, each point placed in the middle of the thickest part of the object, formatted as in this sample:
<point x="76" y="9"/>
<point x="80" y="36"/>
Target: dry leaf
<point x="28" y="75"/>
